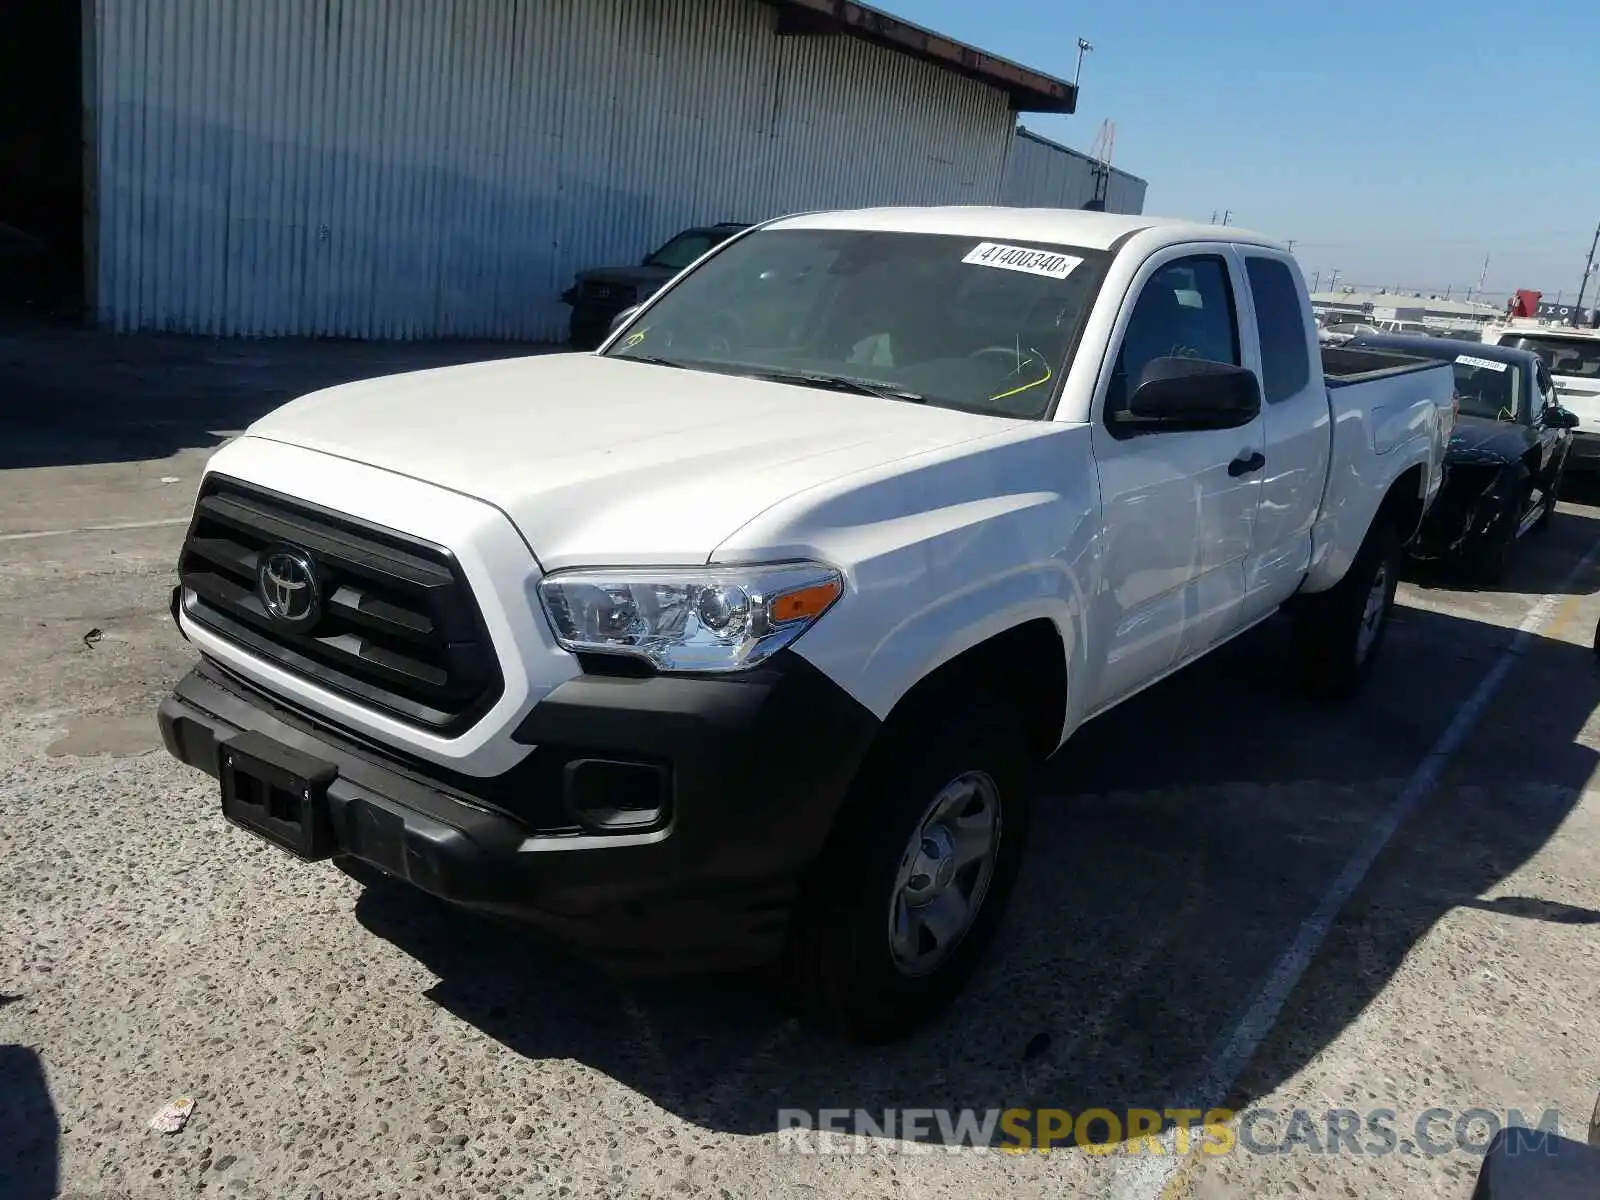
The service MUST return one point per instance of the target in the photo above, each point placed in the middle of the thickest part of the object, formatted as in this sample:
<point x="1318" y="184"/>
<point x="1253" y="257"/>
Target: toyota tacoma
<point x="739" y="641"/>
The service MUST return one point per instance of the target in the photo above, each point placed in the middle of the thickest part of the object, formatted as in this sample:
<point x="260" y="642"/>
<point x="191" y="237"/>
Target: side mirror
<point x="1192" y="393"/>
<point x="1556" y="417"/>
<point x="622" y="318"/>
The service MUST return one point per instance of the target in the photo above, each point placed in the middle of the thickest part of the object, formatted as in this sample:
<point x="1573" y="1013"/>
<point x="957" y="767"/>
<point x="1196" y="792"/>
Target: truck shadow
<point x="76" y="396"/>
<point x="1178" y="845"/>
<point x="30" y="1132"/>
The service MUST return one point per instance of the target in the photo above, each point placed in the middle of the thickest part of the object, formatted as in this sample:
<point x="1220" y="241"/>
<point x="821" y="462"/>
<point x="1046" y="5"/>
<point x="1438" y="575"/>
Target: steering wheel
<point x="1010" y="352"/>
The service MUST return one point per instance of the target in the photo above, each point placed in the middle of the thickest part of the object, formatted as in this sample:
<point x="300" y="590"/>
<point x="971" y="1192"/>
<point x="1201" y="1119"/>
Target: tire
<point x="842" y="968"/>
<point x="1337" y="635"/>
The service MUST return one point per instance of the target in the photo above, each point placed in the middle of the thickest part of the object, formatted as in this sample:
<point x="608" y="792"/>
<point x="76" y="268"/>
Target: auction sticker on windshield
<point x="1484" y="364"/>
<point x="1023" y="258"/>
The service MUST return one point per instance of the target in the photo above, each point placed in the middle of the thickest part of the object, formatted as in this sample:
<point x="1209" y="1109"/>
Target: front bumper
<point x="756" y="767"/>
<point x="1471" y="506"/>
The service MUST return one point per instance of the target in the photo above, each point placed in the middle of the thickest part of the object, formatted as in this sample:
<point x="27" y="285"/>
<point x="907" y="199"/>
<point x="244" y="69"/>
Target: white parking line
<point x="44" y="533"/>
<point x="1147" y="1176"/>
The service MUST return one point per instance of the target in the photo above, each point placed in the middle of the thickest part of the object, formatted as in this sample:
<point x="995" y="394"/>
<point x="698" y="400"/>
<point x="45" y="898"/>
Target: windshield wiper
<point x="841" y="383"/>
<point x="648" y="358"/>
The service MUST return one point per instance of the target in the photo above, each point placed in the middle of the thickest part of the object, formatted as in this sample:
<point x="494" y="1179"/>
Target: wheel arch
<point x="1403" y="504"/>
<point x="1026" y="662"/>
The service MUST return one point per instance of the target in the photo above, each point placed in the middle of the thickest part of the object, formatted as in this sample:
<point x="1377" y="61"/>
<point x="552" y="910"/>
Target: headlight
<point x="694" y="619"/>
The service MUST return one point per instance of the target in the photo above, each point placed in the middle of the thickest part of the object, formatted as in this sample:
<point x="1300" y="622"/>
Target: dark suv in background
<point x="600" y="293"/>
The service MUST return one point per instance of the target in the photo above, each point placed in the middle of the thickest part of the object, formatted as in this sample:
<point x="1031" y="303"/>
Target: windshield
<point x="1485" y="388"/>
<point x="685" y="248"/>
<point x="952" y="321"/>
<point x="1564" y="356"/>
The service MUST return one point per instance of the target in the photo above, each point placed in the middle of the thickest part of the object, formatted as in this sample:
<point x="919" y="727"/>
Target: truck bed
<point x="1342" y="367"/>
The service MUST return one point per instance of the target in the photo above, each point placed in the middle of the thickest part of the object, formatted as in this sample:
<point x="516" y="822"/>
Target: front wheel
<point x="910" y="889"/>
<point x="1338" y="633"/>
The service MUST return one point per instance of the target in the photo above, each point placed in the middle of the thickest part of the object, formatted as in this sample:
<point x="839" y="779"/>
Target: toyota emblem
<point x="287" y="585"/>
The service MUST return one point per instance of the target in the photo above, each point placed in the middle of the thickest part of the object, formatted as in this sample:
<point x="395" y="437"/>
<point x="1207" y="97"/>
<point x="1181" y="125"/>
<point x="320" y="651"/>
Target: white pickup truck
<point x="738" y="641"/>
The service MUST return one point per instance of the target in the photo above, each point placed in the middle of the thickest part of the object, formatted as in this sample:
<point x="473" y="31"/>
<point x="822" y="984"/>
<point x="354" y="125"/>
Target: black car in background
<point x="1504" y="466"/>
<point x="600" y="293"/>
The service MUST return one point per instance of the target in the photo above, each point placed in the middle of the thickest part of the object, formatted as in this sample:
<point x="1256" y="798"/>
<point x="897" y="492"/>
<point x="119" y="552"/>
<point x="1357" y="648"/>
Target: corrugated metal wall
<point x="408" y="168"/>
<point x="1044" y="174"/>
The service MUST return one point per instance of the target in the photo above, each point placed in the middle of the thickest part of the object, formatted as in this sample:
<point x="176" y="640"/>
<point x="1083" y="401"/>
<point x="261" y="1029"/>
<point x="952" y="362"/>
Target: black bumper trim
<point x="758" y="767"/>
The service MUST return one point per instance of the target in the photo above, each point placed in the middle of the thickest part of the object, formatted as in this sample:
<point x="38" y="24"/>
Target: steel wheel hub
<point x="944" y="873"/>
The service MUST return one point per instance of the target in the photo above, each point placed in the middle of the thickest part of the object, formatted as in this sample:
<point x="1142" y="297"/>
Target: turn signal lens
<point x="804" y="604"/>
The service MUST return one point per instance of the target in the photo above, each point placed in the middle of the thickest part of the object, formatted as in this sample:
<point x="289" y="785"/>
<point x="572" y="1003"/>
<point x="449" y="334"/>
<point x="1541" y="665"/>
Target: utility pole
<point x="1083" y="48"/>
<point x="1577" y="308"/>
<point x="1213" y="216"/>
<point x="1333" y="280"/>
<point x="1226" y="213"/>
<point x="1316" y="279"/>
<point x="1291" y="244"/>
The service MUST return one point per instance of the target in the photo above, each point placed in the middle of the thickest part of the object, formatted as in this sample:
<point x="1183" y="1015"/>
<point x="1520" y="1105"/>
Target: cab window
<point x="1280" y="317"/>
<point x="1185" y="310"/>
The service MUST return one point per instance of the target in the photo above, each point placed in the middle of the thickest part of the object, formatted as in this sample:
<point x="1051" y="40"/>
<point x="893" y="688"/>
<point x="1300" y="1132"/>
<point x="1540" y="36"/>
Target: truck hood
<point x="603" y="461"/>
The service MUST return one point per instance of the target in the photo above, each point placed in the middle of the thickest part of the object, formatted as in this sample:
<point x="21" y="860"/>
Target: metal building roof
<point x="1027" y="89"/>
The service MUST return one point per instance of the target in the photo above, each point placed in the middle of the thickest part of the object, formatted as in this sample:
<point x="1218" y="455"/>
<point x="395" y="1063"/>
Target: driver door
<point x="1178" y="507"/>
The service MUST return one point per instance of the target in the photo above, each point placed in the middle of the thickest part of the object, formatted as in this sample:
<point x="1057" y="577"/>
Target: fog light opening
<point x="607" y="796"/>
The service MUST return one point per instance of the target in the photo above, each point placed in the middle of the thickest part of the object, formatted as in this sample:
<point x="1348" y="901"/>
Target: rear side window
<point x="1285" y="359"/>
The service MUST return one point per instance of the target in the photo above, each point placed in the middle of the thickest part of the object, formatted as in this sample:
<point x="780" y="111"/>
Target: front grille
<point x="603" y="291"/>
<point x="398" y="629"/>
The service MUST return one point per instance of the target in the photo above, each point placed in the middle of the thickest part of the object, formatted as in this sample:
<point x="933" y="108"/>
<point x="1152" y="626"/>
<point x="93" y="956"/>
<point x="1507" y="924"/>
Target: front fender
<point x="1478" y="495"/>
<point x="941" y="554"/>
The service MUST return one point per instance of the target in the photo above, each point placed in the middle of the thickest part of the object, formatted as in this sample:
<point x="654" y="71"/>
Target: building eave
<point x="1026" y="89"/>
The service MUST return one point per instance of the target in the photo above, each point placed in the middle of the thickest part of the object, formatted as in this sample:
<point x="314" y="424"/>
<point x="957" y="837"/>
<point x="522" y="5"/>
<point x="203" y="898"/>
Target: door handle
<point x="1246" y="464"/>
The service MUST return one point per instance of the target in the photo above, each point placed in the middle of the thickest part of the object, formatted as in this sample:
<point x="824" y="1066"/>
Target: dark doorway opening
<point x="41" y="157"/>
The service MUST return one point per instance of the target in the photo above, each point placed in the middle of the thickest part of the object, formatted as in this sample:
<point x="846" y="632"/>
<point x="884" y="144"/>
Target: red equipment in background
<point x="1525" y="303"/>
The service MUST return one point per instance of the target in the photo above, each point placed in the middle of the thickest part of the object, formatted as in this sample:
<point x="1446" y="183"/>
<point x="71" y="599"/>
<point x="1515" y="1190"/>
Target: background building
<point x="409" y="168"/>
<point x="1042" y="173"/>
<point x="1406" y="312"/>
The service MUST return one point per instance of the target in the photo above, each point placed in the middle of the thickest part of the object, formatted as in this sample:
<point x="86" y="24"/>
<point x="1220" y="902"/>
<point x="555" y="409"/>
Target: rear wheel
<point x="910" y="889"/>
<point x="1338" y="633"/>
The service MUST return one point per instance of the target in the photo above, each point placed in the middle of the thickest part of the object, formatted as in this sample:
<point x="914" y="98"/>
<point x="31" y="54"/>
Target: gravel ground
<point x="351" y="1042"/>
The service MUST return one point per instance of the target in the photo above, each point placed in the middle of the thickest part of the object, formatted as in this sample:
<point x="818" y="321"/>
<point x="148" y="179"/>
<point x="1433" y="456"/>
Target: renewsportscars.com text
<point x="1375" y="1132"/>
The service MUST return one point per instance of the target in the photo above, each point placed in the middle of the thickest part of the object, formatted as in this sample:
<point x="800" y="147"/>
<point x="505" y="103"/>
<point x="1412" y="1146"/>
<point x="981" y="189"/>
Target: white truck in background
<point x="1571" y="354"/>
<point x="738" y="641"/>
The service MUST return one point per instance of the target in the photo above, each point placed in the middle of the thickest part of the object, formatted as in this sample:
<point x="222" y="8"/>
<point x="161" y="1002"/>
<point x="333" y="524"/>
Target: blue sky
<point x="1398" y="143"/>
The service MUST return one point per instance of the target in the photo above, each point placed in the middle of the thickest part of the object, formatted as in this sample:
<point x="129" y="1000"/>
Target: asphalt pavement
<point x="1234" y="899"/>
